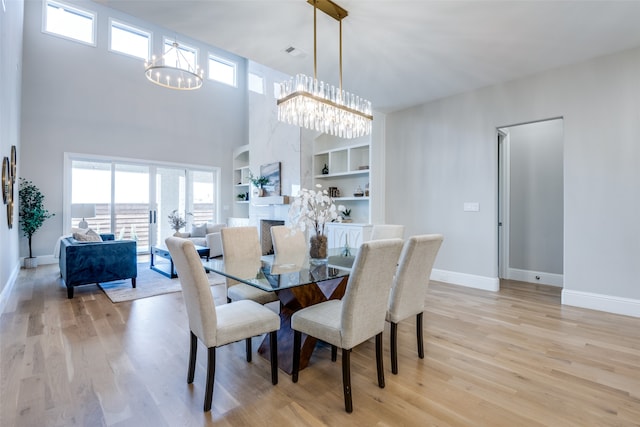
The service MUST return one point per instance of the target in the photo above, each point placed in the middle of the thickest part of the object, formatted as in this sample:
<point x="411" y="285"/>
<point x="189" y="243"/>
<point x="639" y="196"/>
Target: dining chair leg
<point x="334" y="353"/>
<point x="419" y="335"/>
<point x="379" y="363"/>
<point x="394" y="348"/>
<point x="273" y="346"/>
<point x="297" y="336"/>
<point x="211" y="372"/>
<point x="192" y="357"/>
<point x="346" y="379"/>
<point x="248" y="345"/>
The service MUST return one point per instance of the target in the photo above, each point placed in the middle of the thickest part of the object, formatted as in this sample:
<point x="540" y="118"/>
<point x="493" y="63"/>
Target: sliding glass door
<point x="133" y="200"/>
<point x="131" y="196"/>
<point x="170" y="195"/>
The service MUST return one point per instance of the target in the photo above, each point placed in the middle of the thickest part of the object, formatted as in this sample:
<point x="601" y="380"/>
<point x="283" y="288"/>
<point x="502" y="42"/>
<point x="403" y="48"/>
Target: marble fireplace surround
<point x="265" y="234"/>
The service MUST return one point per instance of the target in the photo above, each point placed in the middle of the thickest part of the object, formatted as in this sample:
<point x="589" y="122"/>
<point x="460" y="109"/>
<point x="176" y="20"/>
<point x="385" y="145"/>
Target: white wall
<point x="444" y="153"/>
<point x="271" y="141"/>
<point x="85" y="99"/>
<point x="536" y="197"/>
<point x="11" y="23"/>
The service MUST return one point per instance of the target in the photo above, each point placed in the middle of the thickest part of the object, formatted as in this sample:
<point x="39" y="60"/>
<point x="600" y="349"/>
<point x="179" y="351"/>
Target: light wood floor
<point x="512" y="358"/>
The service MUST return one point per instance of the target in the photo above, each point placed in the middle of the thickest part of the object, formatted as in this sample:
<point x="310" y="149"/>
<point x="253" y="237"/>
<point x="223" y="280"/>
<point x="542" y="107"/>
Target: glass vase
<point x="318" y="248"/>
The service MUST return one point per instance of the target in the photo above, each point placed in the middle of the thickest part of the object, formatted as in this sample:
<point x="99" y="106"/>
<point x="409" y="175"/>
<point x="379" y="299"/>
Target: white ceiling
<point x="402" y="53"/>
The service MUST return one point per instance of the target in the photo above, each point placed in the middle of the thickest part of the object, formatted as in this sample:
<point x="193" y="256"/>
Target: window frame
<point x="216" y="58"/>
<point x="135" y="29"/>
<point x="74" y="9"/>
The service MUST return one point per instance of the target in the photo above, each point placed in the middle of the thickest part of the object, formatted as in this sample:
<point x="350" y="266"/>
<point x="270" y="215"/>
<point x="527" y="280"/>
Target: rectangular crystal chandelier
<point x="307" y="102"/>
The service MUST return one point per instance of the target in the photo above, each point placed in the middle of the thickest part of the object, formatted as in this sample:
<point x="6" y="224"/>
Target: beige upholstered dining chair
<point x="410" y="287"/>
<point x="241" y="250"/>
<point x="387" y="231"/>
<point x="358" y="316"/>
<point x="217" y="326"/>
<point x="288" y="242"/>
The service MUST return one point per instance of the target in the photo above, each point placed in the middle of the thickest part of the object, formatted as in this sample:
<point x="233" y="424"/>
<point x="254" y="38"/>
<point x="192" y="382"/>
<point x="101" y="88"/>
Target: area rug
<point x="148" y="284"/>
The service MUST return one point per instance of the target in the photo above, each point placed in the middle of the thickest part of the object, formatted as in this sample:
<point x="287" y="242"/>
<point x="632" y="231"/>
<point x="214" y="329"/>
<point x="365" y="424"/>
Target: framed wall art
<point x="271" y="171"/>
<point x="6" y="180"/>
<point x="13" y="164"/>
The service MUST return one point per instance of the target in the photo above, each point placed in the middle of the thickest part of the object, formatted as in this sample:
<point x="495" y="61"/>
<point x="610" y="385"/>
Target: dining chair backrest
<point x="387" y="231"/>
<point x="196" y="289"/>
<point x="288" y="242"/>
<point x="364" y="304"/>
<point x="412" y="277"/>
<point x="240" y="247"/>
<point x="240" y="243"/>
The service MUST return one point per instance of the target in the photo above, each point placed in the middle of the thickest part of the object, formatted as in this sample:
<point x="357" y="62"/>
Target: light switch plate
<point x="471" y="207"/>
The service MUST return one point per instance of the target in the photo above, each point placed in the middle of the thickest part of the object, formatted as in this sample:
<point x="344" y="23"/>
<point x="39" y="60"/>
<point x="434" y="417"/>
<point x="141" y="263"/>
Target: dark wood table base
<point x="292" y="300"/>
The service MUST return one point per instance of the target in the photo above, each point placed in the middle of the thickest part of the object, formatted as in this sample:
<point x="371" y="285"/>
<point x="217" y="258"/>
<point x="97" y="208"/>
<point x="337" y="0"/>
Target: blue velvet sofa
<point x="82" y="263"/>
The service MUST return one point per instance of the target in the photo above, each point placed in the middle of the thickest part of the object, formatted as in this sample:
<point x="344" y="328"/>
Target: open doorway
<point x="531" y="199"/>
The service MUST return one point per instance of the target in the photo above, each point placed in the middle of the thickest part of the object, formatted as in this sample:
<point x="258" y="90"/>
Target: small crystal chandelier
<point x="180" y="76"/>
<point x="315" y="105"/>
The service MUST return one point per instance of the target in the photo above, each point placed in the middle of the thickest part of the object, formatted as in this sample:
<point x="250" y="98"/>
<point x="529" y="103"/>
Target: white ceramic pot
<point x="30" y="262"/>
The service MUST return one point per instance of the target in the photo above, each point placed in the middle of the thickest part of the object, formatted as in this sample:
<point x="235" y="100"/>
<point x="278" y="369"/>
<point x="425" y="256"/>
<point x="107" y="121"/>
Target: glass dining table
<point x="298" y="282"/>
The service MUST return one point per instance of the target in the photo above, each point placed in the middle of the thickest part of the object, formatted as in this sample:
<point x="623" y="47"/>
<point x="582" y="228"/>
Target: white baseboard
<point x="8" y="288"/>
<point x="43" y="260"/>
<point x="536" y="277"/>
<point x="608" y="303"/>
<point x="468" y="280"/>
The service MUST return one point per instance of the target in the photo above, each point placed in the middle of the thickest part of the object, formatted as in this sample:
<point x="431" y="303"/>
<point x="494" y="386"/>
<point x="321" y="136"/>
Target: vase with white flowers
<point x="313" y="209"/>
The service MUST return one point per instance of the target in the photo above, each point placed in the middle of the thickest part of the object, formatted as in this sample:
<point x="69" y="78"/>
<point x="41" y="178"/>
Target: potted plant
<point x="32" y="215"/>
<point x="177" y="221"/>
<point x="346" y="215"/>
<point x="259" y="182"/>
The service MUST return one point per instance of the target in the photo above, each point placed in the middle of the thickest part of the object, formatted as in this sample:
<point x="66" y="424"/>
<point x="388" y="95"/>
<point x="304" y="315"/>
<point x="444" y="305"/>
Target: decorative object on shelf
<point x="366" y="190"/>
<point x="358" y="192"/>
<point x="32" y="214"/>
<point x="272" y="172"/>
<point x="259" y="182"/>
<point x="313" y="209"/>
<point x="334" y="192"/>
<point x="242" y="196"/>
<point x="83" y="210"/>
<point x="173" y="70"/>
<point x="177" y="221"/>
<point x="313" y="104"/>
<point x="325" y="170"/>
<point x="363" y="168"/>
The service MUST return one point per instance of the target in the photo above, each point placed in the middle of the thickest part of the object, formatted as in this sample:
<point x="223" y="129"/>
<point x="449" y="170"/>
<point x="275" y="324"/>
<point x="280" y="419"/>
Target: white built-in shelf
<point x="343" y="174"/>
<point x="337" y="199"/>
<point x="349" y="166"/>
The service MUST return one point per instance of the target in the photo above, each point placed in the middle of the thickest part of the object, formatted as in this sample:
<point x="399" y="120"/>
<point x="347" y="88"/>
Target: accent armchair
<point x="83" y="263"/>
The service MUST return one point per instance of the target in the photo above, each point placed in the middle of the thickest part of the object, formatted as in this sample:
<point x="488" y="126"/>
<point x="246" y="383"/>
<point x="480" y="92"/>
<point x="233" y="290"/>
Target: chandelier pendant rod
<point x="340" y="80"/>
<point x="315" y="42"/>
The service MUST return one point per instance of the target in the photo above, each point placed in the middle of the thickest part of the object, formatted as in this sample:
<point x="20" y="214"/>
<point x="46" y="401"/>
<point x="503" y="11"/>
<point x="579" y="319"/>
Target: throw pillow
<point x="199" y="230"/>
<point x="87" y="236"/>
